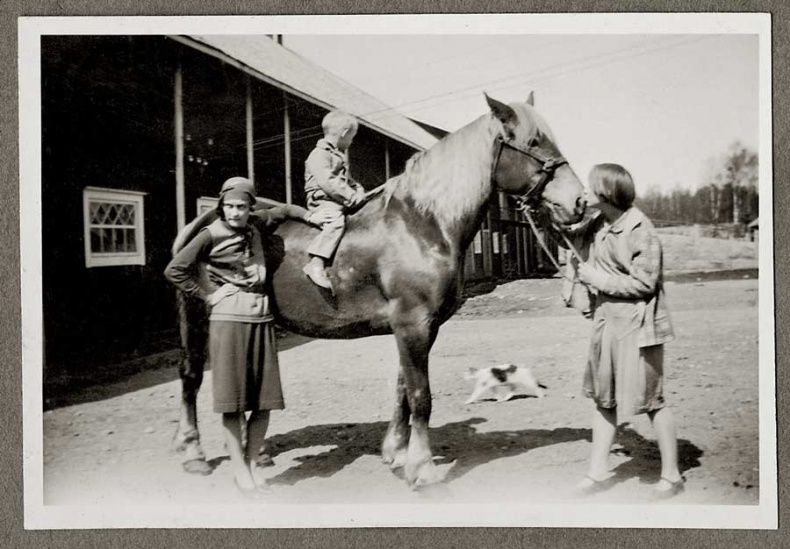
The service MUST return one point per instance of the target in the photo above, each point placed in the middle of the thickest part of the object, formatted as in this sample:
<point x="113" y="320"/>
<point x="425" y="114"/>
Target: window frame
<point x="206" y="201"/>
<point x="115" y="196"/>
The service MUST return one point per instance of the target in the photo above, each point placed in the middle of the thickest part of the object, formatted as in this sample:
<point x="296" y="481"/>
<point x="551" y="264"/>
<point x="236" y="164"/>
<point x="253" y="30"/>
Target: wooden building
<point x="139" y="132"/>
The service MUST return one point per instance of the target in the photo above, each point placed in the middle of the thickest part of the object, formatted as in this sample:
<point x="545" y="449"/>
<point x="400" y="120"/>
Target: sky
<point x="663" y="105"/>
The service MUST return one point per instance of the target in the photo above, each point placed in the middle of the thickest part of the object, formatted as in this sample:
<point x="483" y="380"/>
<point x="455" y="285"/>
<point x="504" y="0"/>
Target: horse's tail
<point x="192" y="313"/>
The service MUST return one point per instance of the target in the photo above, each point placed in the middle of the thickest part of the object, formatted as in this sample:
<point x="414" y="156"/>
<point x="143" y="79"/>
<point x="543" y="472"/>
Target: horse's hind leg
<point x="396" y="441"/>
<point x="194" y="334"/>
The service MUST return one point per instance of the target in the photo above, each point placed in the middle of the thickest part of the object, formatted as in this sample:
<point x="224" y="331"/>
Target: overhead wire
<point x="392" y="109"/>
<point x="466" y="92"/>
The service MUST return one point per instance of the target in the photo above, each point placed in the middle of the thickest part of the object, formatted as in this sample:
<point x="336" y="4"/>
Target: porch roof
<point x="273" y="63"/>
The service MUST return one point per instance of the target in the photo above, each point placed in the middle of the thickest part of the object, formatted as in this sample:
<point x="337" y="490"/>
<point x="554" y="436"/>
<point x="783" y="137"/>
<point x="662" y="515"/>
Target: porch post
<point x="287" y="143"/>
<point x="179" y="137"/>
<point x="250" y="154"/>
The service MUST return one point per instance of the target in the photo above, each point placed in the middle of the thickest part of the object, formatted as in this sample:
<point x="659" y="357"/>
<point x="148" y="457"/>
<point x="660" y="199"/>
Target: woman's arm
<point x="642" y="276"/>
<point x="279" y="214"/>
<point x="182" y="269"/>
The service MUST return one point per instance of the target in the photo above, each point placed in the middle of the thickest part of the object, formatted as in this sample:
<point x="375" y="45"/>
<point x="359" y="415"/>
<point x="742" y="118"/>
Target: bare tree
<point x="733" y="178"/>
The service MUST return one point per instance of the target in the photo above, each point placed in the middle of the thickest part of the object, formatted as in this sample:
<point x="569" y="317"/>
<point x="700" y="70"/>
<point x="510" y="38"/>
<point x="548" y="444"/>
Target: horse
<point x="397" y="268"/>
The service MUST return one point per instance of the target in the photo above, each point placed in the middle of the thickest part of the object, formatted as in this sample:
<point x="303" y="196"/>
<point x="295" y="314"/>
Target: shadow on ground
<point x="459" y="442"/>
<point x="91" y="382"/>
<point x="641" y="451"/>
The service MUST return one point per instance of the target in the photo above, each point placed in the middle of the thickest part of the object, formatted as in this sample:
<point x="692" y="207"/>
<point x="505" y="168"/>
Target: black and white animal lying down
<point x="503" y="381"/>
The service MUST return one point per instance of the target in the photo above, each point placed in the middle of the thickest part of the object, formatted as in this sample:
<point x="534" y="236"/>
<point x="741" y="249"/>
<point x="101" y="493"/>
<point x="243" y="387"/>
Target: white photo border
<point x="40" y="516"/>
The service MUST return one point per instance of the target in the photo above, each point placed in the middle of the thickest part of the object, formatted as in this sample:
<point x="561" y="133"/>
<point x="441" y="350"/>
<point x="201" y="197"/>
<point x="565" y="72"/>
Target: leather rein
<point x="528" y="202"/>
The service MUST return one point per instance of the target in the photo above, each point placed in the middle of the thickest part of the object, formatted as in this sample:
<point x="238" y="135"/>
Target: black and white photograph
<point x="367" y="271"/>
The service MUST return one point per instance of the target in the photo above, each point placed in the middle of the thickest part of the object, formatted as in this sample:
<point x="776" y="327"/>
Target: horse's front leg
<point x="194" y="334"/>
<point x="415" y="333"/>
<point x="396" y="442"/>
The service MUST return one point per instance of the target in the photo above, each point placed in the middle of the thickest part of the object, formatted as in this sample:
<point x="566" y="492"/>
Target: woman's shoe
<point x="589" y="485"/>
<point x="258" y="491"/>
<point x="674" y="488"/>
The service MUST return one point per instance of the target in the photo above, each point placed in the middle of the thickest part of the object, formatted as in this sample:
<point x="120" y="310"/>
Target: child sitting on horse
<point x="242" y="343"/>
<point x="330" y="189"/>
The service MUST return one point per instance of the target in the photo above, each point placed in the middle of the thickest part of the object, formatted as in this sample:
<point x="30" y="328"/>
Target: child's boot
<point x="315" y="271"/>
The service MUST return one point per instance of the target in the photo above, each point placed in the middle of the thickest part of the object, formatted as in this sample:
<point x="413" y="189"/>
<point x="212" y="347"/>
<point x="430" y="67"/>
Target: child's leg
<point x="231" y="428"/>
<point x="664" y="424"/>
<point x="603" y="430"/>
<point x="324" y="245"/>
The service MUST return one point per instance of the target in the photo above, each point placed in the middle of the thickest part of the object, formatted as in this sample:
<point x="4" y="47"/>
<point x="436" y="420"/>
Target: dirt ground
<point x="114" y="446"/>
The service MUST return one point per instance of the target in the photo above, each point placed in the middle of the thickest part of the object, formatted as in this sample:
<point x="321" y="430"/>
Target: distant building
<point x="754" y="229"/>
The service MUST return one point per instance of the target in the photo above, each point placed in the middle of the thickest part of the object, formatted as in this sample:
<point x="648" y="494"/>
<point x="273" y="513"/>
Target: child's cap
<point x="238" y="188"/>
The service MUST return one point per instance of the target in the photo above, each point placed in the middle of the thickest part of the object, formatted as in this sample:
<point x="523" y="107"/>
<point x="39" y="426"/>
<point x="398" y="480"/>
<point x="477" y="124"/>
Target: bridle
<point x="528" y="202"/>
<point x="548" y="166"/>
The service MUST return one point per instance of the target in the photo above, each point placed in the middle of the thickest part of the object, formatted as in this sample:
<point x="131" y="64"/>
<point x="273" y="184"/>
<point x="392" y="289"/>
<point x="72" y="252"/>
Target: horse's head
<point x="528" y="163"/>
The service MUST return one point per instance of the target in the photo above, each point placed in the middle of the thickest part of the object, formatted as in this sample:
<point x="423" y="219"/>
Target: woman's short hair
<point x="613" y="184"/>
<point x="336" y="122"/>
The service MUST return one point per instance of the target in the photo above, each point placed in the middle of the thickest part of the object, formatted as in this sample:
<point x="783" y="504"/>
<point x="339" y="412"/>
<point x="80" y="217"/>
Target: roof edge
<point x="226" y="58"/>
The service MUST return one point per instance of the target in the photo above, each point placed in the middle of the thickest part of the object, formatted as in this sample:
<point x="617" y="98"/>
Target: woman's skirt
<point x="245" y="367"/>
<point x="619" y="373"/>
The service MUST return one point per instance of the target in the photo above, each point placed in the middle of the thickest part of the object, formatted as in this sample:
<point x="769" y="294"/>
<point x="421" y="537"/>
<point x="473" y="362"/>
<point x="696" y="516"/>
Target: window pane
<point x="131" y="241"/>
<point x="96" y="240"/>
<point x="110" y="242"/>
<point x="112" y="216"/>
<point x="94" y="212"/>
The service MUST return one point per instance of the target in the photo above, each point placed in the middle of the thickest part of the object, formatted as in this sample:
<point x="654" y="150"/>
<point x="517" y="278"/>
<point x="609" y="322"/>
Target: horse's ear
<point x="531" y="99"/>
<point x="503" y="112"/>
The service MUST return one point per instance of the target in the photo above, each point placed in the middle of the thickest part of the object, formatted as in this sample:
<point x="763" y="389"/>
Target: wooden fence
<point x="505" y="247"/>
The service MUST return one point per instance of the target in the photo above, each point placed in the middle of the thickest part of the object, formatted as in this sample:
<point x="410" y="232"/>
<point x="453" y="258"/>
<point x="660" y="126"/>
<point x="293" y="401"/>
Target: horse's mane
<point x="449" y="178"/>
<point x="454" y="176"/>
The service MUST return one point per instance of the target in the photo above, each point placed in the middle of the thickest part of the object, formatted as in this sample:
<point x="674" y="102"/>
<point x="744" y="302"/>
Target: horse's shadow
<point x="457" y="442"/>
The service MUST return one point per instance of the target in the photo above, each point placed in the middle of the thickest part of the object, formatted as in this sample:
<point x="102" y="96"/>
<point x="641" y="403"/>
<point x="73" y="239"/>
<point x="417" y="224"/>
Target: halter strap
<point x="548" y="166"/>
<point x="528" y="200"/>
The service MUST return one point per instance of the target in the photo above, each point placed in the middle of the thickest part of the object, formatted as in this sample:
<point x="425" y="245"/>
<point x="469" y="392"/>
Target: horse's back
<point x="357" y="308"/>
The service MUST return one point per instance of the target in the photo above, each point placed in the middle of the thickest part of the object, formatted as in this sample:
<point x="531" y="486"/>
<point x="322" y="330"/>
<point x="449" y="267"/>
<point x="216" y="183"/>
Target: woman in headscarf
<point x="242" y="343"/>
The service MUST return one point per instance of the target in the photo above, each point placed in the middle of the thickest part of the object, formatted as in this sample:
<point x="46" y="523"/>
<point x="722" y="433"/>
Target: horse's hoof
<point x="424" y="475"/>
<point x="396" y="460"/>
<point x="197" y="467"/>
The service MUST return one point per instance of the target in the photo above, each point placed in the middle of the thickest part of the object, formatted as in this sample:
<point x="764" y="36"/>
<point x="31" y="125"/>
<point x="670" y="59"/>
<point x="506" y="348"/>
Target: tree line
<point x="729" y="193"/>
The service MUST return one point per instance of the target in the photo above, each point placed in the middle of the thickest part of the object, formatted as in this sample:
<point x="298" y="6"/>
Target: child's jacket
<point x="326" y="175"/>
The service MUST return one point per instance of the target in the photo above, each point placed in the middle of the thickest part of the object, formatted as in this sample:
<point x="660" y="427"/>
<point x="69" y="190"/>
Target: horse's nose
<point x="581" y="205"/>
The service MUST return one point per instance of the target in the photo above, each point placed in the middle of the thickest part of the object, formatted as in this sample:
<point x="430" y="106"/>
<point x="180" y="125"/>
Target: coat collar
<point x="327" y="146"/>
<point x="628" y="221"/>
